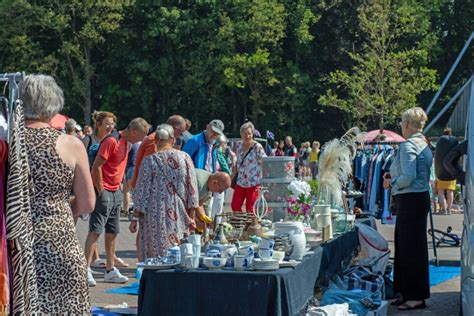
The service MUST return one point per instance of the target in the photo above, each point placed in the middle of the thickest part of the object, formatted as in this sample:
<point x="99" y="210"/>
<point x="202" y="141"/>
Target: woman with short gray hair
<point x="58" y="166"/>
<point x="165" y="195"/>
<point x="409" y="180"/>
<point x="247" y="170"/>
<point x="42" y="98"/>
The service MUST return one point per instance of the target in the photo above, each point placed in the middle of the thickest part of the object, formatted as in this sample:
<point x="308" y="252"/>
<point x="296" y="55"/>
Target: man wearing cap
<point x="201" y="149"/>
<point x="200" y="146"/>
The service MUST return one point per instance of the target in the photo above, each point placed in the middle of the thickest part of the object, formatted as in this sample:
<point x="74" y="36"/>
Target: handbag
<point x="233" y="183"/>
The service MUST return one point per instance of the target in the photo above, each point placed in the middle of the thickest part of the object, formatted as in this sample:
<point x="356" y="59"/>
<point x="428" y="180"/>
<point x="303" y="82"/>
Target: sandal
<point x="398" y="301"/>
<point x="408" y="307"/>
<point x="99" y="263"/>
<point x="119" y="263"/>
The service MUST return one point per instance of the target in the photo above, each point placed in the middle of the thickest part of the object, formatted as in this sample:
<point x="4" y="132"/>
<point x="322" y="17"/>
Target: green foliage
<point x="389" y="69"/>
<point x="314" y="186"/>
<point x="304" y="68"/>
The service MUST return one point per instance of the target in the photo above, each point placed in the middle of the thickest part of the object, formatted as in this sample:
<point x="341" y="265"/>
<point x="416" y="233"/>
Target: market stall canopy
<point x="390" y="136"/>
<point x="58" y="121"/>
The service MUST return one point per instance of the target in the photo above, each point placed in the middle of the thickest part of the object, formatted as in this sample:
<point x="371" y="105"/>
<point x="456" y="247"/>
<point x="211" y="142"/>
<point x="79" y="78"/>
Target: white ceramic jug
<point x="298" y="239"/>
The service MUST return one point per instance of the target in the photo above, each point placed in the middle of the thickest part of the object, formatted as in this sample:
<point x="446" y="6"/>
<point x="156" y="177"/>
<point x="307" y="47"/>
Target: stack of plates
<point x="267" y="265"/>
<point x="282" y="241"/>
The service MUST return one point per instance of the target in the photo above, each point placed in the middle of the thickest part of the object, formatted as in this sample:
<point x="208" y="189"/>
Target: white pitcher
<point x="319" y="210"/>
<point x="298" y="239"/>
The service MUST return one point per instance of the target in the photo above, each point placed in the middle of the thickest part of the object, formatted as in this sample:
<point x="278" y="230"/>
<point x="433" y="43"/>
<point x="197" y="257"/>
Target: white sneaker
<point x="115" y="276"/>
<point x="90" y="278"/>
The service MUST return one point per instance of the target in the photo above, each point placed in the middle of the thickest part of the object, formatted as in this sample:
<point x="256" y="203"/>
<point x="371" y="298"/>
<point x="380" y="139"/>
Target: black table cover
<point x="222" y="292"/>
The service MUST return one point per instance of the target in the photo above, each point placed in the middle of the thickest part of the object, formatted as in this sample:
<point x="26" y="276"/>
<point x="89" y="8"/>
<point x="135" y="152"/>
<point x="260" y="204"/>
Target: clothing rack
<point x="11" y="80"/>
<point x="436" y="261"/>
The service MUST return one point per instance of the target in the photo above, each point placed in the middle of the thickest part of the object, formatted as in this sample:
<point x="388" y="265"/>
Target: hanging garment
<point x="19" y="224"/>
<point x="4" y="270"/>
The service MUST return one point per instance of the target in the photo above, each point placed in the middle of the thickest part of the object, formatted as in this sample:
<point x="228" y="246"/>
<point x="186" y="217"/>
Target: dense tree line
<point x="307" y="68"/>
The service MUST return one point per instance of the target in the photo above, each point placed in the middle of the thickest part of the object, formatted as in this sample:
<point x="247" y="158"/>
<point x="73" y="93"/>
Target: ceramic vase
<point x="298" y="239"/>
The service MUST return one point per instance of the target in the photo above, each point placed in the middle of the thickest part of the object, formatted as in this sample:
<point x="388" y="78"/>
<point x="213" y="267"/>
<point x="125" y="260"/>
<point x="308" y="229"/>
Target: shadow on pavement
<point x="445" y="304"/>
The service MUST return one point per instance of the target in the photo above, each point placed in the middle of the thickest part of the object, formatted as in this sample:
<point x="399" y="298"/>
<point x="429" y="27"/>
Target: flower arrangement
<point x="299" y="200"/>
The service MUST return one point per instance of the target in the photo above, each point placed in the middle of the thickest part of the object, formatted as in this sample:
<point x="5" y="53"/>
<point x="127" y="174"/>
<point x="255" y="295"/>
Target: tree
<point x="251" y="33"/>
<point x="81" y="29"/>
<point x="389" y="70"/>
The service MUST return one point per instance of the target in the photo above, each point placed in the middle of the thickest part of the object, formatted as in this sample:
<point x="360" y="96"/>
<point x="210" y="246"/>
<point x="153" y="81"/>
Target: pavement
<point x="444" y="297"/>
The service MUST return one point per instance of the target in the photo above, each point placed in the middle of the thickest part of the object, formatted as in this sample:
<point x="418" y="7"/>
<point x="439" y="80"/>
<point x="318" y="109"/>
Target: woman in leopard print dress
<point x="58" y="166"/>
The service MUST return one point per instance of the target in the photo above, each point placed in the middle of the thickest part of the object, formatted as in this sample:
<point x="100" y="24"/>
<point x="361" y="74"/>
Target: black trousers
<point x="411" y="270"/>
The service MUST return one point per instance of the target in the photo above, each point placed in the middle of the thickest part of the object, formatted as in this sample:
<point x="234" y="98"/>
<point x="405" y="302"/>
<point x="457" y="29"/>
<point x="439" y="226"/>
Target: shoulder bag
<point x="234" y="178"/>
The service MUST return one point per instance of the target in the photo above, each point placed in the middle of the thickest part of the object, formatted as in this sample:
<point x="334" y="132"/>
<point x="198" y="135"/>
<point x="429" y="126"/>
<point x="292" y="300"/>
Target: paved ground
<point x="444" y="297"/>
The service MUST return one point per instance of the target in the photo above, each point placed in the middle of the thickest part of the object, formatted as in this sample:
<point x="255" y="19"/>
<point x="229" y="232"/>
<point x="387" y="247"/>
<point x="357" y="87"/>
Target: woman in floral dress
<point x="248" y="170"/>
<point x="166" y="194"/>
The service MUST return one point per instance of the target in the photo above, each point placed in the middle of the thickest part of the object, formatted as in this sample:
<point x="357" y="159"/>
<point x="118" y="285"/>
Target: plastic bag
<point x="360" y="302"/>
<point x="333" y="310"/>
<point x="374" y="249"/>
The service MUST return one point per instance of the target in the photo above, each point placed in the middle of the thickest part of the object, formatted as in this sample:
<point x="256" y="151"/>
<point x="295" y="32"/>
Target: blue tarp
<point x="131" y="289"/>
<point x="442" y="274"/>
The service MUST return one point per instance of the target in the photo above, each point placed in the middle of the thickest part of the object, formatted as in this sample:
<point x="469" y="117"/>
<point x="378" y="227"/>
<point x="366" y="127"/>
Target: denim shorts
<point x="106" y="213"/>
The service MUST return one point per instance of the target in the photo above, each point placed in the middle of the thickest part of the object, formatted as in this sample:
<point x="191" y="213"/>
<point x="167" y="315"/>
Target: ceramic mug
<point x="265" y="254"/>
<point x="195" y="262"/>
<point x="186" y="249"/>
<point x="196" y="250"/>
<point x="229" y="252"/>
<point x="266" y="243"/>
<point x="191" y="262"/>
<point x="195" y="239"/>
<point x="174" y="254"/>
<point x="188" y="262"/>
<point x="247" y="251"/>
<point x="240" y="262"/>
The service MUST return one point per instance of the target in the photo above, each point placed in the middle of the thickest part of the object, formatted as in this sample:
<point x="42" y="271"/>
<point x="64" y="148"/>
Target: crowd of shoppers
<point x="173" y="175"/>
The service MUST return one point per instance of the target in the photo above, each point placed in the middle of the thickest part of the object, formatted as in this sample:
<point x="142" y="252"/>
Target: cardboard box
<point x="381" y="311"/>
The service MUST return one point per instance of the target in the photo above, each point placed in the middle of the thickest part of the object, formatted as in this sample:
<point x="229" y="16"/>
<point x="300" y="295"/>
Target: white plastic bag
<point x="333" y="310"/>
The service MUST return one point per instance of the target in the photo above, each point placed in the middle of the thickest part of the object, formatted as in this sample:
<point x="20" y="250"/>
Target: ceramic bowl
<point x="214" y="263"/>
<point x="279" y="255"/>
<point x="313" y="236"/>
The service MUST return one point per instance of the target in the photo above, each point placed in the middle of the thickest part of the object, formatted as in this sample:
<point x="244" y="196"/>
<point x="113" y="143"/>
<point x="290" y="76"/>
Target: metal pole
<point x="433" y="239"/>
<point x="447" y="106"/>
<point x="450" y="72"/>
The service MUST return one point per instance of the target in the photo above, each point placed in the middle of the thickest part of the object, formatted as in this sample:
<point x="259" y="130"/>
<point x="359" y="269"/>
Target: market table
<point x="285" y="291"/>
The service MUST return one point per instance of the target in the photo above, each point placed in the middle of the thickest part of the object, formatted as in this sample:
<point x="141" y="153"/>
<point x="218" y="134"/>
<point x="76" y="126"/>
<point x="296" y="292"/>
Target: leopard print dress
<point x="60" y="264"/>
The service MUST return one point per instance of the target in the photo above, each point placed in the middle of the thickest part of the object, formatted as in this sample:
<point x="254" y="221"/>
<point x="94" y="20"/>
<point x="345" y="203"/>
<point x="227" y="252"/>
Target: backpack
<point x="93" y="149"/>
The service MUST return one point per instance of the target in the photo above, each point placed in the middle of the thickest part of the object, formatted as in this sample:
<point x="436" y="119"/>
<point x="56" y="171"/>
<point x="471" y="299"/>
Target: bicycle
<point x="445" y="237"/>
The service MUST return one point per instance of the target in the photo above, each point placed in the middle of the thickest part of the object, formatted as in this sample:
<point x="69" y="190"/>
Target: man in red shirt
<point x="107" y="174"/>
